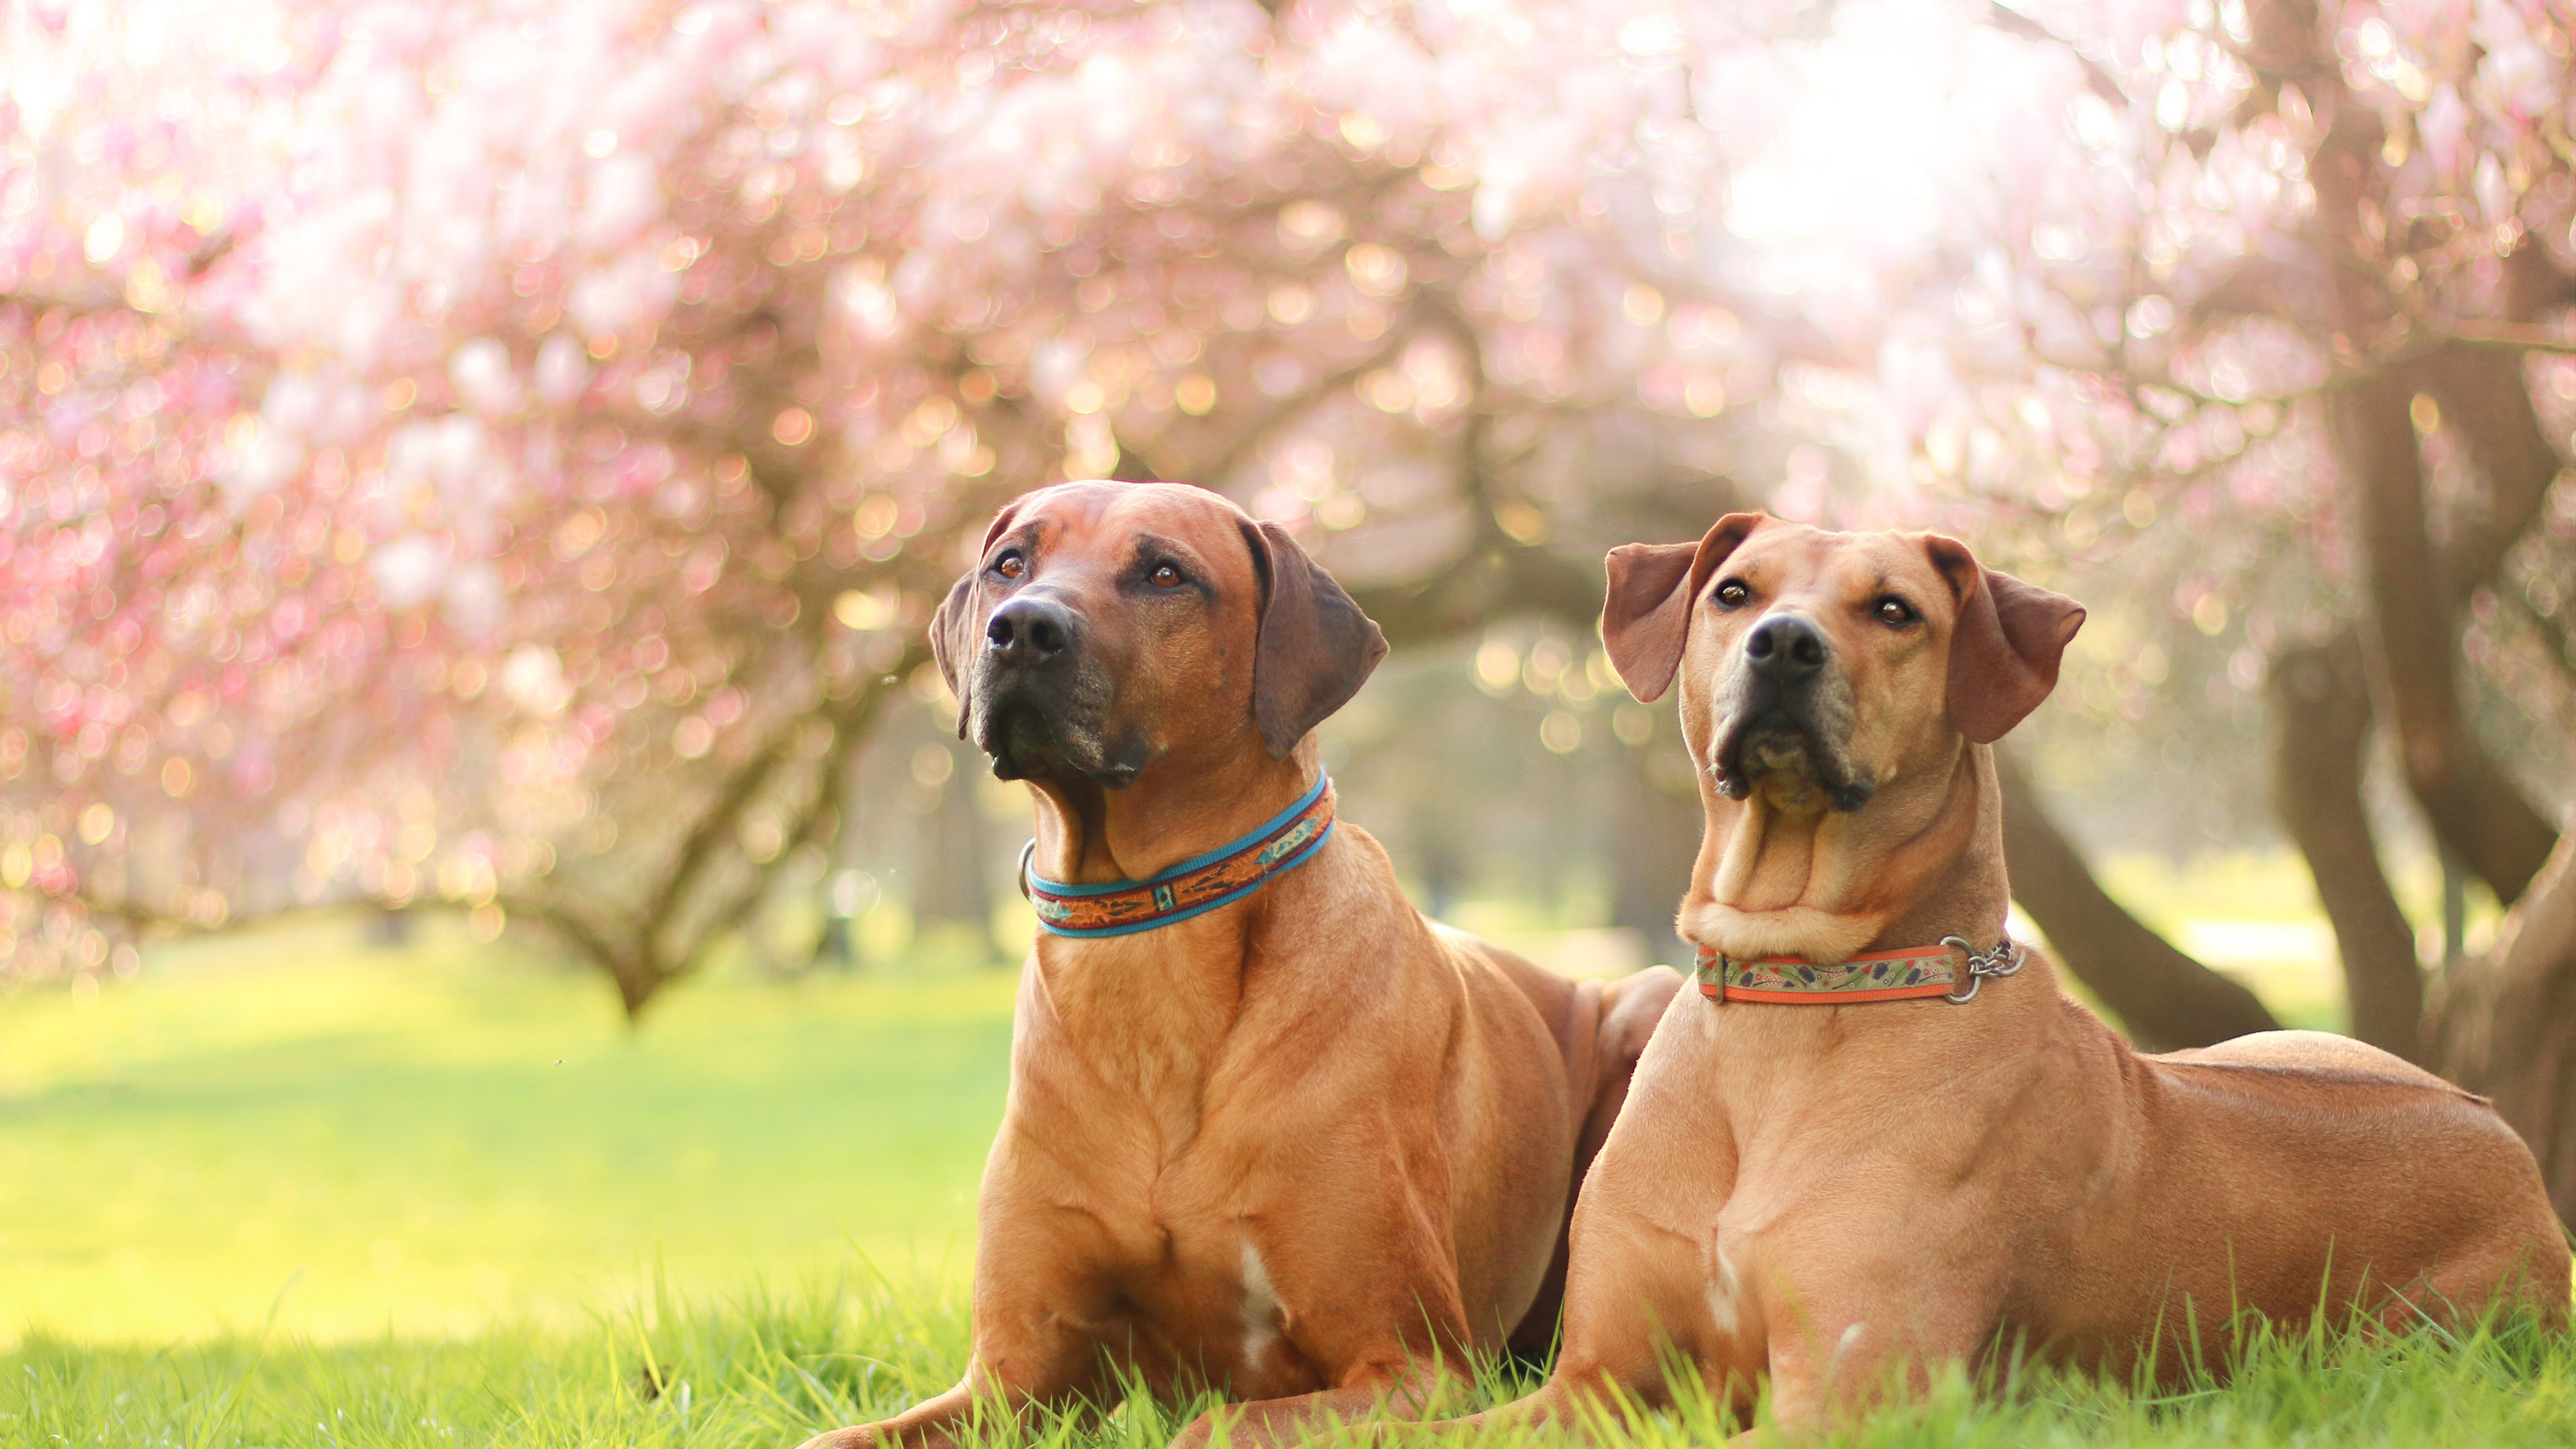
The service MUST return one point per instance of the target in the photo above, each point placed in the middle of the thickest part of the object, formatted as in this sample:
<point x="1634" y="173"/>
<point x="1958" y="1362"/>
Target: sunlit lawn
<point x="436" y="1137"/>
<point x="293" y="1190"/>
<point x="433" y="1139"/>
<point x="766" y="1372"/>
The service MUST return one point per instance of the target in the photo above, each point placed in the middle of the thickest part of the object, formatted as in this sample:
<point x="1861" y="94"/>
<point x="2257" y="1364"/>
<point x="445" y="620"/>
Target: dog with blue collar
<point x="1270" y="1132"/>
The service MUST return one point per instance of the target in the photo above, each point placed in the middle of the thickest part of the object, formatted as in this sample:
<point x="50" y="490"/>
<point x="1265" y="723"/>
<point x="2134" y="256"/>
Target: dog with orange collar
<point x="1879" y="1139"/>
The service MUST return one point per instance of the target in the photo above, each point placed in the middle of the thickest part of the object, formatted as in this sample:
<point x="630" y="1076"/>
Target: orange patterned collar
<point x="1899" y="975"/>
<point x="1202" y="883"/>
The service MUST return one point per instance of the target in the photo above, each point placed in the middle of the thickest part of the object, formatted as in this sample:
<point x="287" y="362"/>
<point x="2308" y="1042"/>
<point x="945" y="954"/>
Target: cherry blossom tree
<point x="498" y="458"/>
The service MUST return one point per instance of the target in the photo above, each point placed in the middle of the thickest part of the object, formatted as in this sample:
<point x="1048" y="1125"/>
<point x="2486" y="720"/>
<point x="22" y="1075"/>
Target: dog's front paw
<point x="1200" y="1433"/>
<point x="857" y="1436"/>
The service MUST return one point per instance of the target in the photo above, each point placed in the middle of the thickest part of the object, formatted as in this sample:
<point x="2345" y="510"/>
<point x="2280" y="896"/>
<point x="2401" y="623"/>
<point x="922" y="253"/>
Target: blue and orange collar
<point x="1195" y="886"/>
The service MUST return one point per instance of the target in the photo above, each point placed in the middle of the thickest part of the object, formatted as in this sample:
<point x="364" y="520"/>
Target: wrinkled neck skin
<point x="1779" y="874"/>
<point x="1178" y="807"/>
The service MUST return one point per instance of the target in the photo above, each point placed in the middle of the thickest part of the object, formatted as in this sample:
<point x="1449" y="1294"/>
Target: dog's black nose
<point x="1786" y="647"/>
<point x="1029" y="632"/>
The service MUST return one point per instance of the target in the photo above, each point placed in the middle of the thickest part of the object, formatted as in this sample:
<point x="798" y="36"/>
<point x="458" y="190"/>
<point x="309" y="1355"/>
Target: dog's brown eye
<point x="1895" y="611"/>
<point x="1733" y="593"/>
<point x="1165" y="576"/>
<point x="1010" y="566"/>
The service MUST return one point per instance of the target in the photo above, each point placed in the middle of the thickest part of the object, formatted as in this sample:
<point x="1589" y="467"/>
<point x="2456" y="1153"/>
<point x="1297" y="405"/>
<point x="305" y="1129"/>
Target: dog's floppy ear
<point x="1645" y="620"/>
<point x="957" y="626"/>
<point x="1316" y="648"/>
<point x="2005" y="647"/>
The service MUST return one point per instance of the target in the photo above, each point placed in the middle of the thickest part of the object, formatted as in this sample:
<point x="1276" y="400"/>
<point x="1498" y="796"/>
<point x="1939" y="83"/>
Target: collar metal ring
<point x="2003" y="960"/>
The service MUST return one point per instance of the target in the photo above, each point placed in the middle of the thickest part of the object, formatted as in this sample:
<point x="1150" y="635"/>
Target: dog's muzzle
<point x="1041" y="704"/>
<point x="1789" y="716"/>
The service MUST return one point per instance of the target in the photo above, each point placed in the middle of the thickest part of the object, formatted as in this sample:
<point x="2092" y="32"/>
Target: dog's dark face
<point x="1818" y="666"/>
<point x="1109" y="626"/>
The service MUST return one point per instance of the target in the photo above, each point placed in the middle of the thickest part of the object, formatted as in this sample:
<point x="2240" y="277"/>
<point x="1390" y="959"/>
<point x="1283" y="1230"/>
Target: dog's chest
<point x="1190" y="1256"/>
<point x="1158" y="1116"/>
<point x="1211" y="1303"/>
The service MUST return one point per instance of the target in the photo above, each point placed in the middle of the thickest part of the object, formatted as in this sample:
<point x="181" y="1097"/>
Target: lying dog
<point x="1269" y="1130"/>
<point x="1878" y="1138"/>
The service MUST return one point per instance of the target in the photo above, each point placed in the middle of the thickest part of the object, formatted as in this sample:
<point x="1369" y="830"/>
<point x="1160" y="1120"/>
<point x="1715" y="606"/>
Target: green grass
<point x="285" y="1190"/>
<point x="433" y="1140"/>
<point x="768" y="1372"/>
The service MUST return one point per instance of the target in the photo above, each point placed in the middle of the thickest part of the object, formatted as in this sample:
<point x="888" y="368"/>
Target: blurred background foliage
<point x="494" y="461"/>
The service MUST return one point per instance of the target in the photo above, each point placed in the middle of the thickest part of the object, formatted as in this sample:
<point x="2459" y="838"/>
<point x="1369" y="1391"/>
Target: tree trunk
<point x="2414" y="594"/>
<point x="1652" y="846"/>
<point x="2501" y="1025"/>
<point x="2469" y="802"/>
<point x="2166" y="999"/>
<point x="2486" y="396"/>
<point x="955" y="884"/>
<point x="2320" y="698"/>
<point x="2504" y="1025"/>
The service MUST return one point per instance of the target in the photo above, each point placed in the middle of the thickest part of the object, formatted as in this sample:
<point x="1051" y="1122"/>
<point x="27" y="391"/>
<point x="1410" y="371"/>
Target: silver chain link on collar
<point x="2003" y="960"/>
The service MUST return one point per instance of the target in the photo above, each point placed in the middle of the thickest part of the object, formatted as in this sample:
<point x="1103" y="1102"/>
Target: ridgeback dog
<point x="1269" y="1131"/>
<point x="1877" y="1138"/>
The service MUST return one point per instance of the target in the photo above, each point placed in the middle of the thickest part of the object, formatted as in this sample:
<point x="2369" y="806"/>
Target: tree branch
<point x="1251" y="435"/>
<point x="2166" y="998"/>
<point x="849" y="724"/>
<point x="2320" y="724"/>
<point x="714" y="825"/>
<point x="1480" y="585"/>
<point x="2500" y="337"/>
<point x="584" y="936"/>
<point x="2097" y="78"/>
<point x="2472" y="806"/>
<point x="2499" y="1023"/>
<point x="2485" y="395"/>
